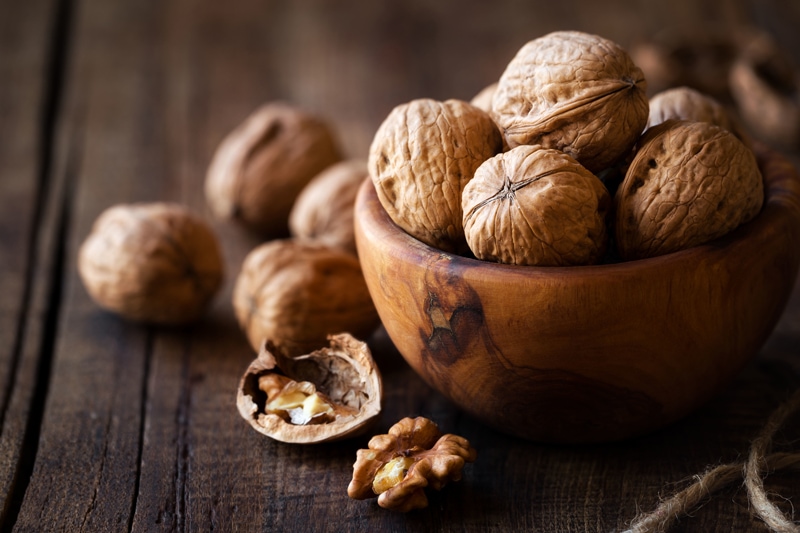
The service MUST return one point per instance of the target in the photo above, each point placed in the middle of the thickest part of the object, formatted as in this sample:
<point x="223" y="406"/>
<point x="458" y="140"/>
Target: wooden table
<point x="113" y="426"/>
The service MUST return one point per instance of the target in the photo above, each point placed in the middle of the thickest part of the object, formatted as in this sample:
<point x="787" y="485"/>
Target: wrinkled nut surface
<point x="689" y="183"/>
<point x="420" y="159"/>
<point x="260" y="168"/>
<point x="398" y="466"/>
<point x="154" y="262"/>
<point x="685" y="103"/>
<point x="324" y="210"/>
<point x="329" y="394"/>
<point x="574" y="92"/>
<point x="297" y="293"/>
<point x="536" y="206"/>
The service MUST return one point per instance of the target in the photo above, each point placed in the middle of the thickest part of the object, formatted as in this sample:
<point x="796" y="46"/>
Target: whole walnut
<point x="574" y="92"/>
<point x="483" y="100"/>
<point x="324" y="209"/>
<point x="685" y="103"/>
<point x="151" y="262"/>
<point x="296" y="293"/>
<point x="261" y="166"/>
<point x="689" y="183"/>
<point x="420" y="159"/>
<point x="536" y="206"/>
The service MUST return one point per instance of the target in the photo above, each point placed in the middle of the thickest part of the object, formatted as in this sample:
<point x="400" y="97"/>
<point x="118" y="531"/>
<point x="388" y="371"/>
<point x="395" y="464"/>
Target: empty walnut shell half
<point x="536" y="206"/>
<point x="151" y="262"/>
<point x="260" y="168"/>
<point x="574" y="92"/>
<point x="329" y="394"/>
<point x="689" y="183"/>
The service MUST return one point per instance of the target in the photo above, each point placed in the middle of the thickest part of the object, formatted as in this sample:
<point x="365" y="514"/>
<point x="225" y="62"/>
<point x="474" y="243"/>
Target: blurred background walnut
<point x="685" y="103"/>
<point x="151" y="262"/>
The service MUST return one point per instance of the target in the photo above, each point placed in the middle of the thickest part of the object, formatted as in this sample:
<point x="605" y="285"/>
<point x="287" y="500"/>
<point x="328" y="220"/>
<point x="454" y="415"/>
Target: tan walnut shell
<point x="689" y="183"/>
<point x="574" y="92"/>
<point x="344" y="371"/>
<point x="297" y="293"/>
<point x="151" y="262"/>
<point x="324" y="210"/>
<point x="260" y="167"/>
<point x="422" y="155"/>
<point x="685" y="103"/>
<point x="536" y="206"/>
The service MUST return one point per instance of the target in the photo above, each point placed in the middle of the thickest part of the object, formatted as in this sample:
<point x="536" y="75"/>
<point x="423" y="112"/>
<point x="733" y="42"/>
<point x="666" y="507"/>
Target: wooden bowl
<point x="590" y="353"/>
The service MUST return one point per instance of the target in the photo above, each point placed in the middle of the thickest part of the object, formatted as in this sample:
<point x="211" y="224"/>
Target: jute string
<point x="759" y="463"/>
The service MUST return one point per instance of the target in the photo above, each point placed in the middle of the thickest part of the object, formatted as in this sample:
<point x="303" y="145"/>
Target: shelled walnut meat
<point x="329" y="394"/>
<point x="421" y="157"/>
<point x="260" y="168"/>
<point x="151" y="262"/>
<point x="398" y="466"/>
<point x="536" y="206"/>
<point x="297" y="293"/>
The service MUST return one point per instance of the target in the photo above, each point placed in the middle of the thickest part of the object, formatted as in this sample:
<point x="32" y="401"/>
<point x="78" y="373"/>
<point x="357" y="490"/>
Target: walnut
<point x="536" y="206"/>
<point x="685" y="103"/>
<point x="483" y="100"/>
<point x="151" y="262"/>
<point x="574" y="92"/>
<point x="261" y="166"/>
<point x="324" y="209"/>
<point x="297" y="293"/>
<point x="329" y="394"/>
<point x="420" y="159"/>
<point x="689" y="183"/>
<point x="397" y="467"/>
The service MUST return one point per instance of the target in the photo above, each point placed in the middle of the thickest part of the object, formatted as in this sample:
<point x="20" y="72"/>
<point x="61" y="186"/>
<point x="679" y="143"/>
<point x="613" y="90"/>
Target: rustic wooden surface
<point x="112" y="426"/>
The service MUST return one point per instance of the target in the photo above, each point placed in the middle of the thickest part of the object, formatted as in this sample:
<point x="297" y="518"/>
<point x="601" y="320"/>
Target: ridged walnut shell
<point x="685" y="103"/>
<point x="153" y="262"/>
<point x="297" y="293"/>
<point x="260" y="168"/>
<point x="536" y="206"/>
<point x="324" y="210"/>
<point x="574" y="92"/>
<point x="344" y="371"/>
<point x="689" y="183"/>
<point x="421" y="158"/>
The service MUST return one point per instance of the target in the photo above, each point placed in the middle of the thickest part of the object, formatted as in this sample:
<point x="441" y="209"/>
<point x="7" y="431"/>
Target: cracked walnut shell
<point x="296" y="293"/>
<point x="420" y="159"/>
<point x="329" y="394"/>
<point x="689" y="183"/>
<point x="574" y="92"/>
<point x="153" y="262"/>
<point x="397" y="467"/>
<point x="536" y="206"/>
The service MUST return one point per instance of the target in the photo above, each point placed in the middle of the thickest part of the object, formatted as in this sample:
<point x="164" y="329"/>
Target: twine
<point x="758" y="464"/>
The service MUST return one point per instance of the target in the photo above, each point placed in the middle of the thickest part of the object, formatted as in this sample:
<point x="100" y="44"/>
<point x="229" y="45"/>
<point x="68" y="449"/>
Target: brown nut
<point x="153" y="262"/>
<point x="397" y="467"/>
<point x="536" y="206"/>
<point x="689" y="183"/>
<point x="574" y="92"/>
<point x="329" y="394"/>
<point x="324" y="210"/>
<point x="297" y="293"/>
<point x="685" y="103"/>
<point x="261" y="166"/>
<point x="483" y="100"/>
<point x="420" y="159"/>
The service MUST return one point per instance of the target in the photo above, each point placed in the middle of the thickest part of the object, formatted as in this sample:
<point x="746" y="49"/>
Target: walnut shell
<point x="297" y="293"/>
<point x="685" y="103"/>
<point x="483" y="100"/>
<point x="536" y="206"/>
<point x="574" y="92"/>
<point x="153" y="262"/>
<point x="689" y="183"/>
<point x="420" y="159"/>
<point x="261" y="166"/>
<point x="344" y="371"/>
<point x="324" y="209"/>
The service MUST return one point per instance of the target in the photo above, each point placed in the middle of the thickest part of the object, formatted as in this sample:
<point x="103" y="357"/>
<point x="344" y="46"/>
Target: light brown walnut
<point x="574" y="92"/>
<point x="260" y="167"/>
<point x="689" y="183"/>
<point x="420" y="159"/>
<point x="151" y="262"/>
<point x="536" y="206"/>
<point x="297" y="293"/>
<point x="685" y="103"/>
<point x="483" y="100"/>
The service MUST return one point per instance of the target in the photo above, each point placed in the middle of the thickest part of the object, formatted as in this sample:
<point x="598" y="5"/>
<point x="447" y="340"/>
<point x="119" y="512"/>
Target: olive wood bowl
<point x="588" y="353"/>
